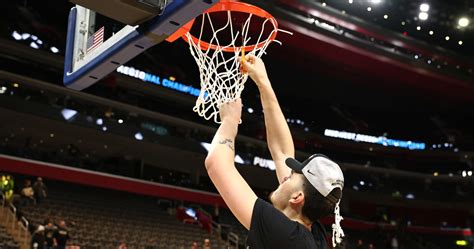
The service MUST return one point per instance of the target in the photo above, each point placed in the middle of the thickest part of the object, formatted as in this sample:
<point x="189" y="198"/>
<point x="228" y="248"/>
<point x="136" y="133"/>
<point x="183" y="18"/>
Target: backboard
<point x="102" y="35"/>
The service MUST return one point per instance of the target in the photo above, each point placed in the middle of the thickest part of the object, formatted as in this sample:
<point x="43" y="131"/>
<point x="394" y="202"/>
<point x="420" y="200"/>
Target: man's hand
<point x="231" y="111"/>
<point x="255" y="68"/>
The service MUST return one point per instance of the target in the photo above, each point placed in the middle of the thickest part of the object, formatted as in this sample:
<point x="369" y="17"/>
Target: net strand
<point x="221" y="79"/>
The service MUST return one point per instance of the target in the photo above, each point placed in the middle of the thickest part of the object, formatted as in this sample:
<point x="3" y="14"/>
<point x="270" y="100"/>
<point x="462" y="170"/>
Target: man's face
<point x="290" y="185"/>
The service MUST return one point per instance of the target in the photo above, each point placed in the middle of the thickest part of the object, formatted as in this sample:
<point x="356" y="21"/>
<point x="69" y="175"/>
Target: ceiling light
<point x="431" y="32"/>
<point x="54" y="50"/>
<point x="403" y="23"/>
<point x="104" y="128"/>
<point x="385" y="17"/>
<point x="376" y="1"/>
<point x="463" y="22"/>
<point x="138" y="136"/>
<point x="16" y="35"/>
<point x="323" y="4"/>
<point x="25" y="36"/>
<point x="120" y="121"/>
<point x="99" y="121"/>
<point x="418" y="28"/>
<point x="369" y="9"/>
<point x="460" y="42"/>
<point x="34" y="45"/>
<point x="423" y="16"/>
<point x="68" y="113"/>
<point x="250" y="110"/>
<point x="447" y="38"/>
<point x="351" y="1"/>
<point x="424" y="7"/>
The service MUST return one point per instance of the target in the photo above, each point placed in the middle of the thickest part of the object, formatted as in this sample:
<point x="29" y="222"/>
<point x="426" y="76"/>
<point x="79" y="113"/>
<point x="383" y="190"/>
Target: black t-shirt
<point x="271" y="229"/>
<point x="62" y="235"/>
<point x="49" y="235"/>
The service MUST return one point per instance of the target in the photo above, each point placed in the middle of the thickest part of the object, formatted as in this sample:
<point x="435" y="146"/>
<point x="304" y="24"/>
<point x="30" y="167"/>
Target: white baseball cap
<point x="325" y="175"/>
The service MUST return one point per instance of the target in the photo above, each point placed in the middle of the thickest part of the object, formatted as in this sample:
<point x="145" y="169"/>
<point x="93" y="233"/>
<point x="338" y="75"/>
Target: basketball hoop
<point x="219" y="62"/>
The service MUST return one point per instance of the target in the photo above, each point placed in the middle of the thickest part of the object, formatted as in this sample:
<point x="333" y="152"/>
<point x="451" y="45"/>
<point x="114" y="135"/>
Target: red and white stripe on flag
<point x="95" y="40"/>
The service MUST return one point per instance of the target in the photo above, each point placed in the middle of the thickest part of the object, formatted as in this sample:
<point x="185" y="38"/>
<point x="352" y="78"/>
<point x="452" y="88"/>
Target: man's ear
<point x="297" y="197"/>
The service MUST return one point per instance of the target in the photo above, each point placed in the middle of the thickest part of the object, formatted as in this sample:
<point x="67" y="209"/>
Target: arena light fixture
<point x="423" y="16"/>
<point x="375" y="1"/>
<point x="138" y="136"/>
<point x="54" y="50"/>
<point x="99" y="121"/>
<point x="385" y="17"/>
<point x="463" y="22"/>
<point x="418" y="28"/>
<point x="460" y="42"/>
<point x="447" y="38"/>
<point x="25" y="36"/>
<point x="16" y="35"/>
<point x="104" y="128"/>
<point x="250" y="110"/>
<point x="424" y="7"/>
<point x="34" y="45"/>
<point x="68" y="114"/>
<point x="120" y="121"/>
<point x="369" y="9"/>
<point x="431" y="32"/>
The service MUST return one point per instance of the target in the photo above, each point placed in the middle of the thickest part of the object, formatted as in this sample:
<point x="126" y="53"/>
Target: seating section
<point x="6" y="241"/>
<point x="102" y="219"/>
<point x="227" y="218"/>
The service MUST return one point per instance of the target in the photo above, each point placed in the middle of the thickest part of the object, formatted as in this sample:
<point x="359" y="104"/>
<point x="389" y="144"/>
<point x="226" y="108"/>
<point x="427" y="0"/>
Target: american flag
<point x="95" y="40"/>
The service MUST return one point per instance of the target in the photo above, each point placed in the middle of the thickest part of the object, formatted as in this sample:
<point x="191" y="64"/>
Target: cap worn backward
<point x="323" y="173"/>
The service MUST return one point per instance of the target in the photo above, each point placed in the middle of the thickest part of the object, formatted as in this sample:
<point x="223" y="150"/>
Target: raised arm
<point x="279" y="138"/>
<point x="220" y="166"/>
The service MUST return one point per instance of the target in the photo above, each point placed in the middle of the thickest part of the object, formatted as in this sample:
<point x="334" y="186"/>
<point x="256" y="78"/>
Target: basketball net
<point x="220" y="64"/>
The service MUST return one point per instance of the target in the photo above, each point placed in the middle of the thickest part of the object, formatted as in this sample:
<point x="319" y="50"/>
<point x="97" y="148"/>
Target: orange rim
<point x="226" y="5"/>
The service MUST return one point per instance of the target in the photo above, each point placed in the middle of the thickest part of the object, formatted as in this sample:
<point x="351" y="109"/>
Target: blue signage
<point x="157" y="80"/>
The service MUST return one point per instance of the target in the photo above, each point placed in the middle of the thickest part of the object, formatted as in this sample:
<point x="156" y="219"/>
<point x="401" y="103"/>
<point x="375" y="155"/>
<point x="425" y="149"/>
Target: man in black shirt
<point x="307" y="192"/>
<point x="49" y="232"/>
<point x="62" y="235"/>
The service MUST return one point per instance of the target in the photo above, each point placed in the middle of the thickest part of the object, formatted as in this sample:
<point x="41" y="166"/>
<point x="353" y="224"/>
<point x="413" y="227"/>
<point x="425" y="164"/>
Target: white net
<point x="220" y="74"/>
